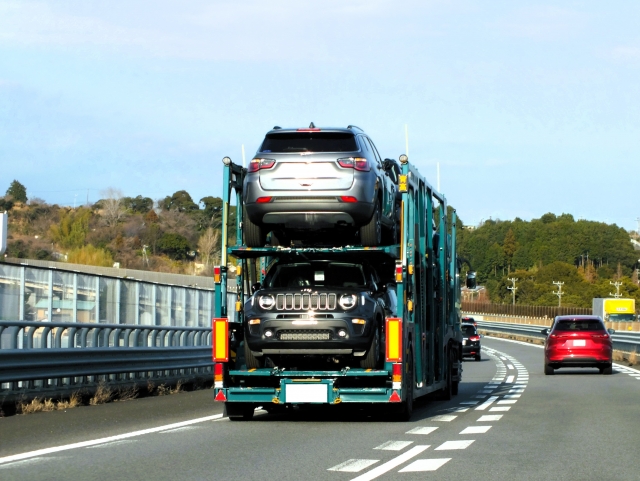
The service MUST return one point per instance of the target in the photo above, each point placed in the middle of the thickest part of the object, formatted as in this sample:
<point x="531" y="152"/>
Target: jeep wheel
<point x="254" y="235"/>
<point x="372" y="360"/>
<point x="250" y="360"/>
<point x="371" y="234"/>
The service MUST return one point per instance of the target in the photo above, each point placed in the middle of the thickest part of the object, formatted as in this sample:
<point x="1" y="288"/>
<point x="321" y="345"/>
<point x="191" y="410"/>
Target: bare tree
<point x="208" y="245"/>
<point x="112" y="207"/>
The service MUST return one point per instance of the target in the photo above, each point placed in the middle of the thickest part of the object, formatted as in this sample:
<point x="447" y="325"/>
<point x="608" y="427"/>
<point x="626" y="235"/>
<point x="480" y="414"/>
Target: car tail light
<point x="474" y="338"/>
<point x="263" y="200"/>
<point x="600" y="336"/>
<point x="348" y="198"/>
<point x="394" y="340"/>
<point x="258" y="164"/>
<point x="358" y="163"/>
<point x="220" y="339"/>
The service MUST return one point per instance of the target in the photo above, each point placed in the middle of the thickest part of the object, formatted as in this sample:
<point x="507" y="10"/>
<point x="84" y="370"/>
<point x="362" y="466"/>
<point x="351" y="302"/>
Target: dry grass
<point x="103" y="394"/>
<point x="163" y="390"/>
<point x="150" y="386"/>
<point x="37" y="405"/>
<point x="127" y="394"/>
<point x="177" y="389"/>
<point x="618" y="356"/>
<point x="74" y="401"/>
<point x="633" y="358"/>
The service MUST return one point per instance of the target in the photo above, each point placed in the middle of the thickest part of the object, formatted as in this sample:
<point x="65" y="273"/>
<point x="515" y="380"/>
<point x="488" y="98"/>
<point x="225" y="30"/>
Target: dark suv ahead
<point x="330" y="311"/>
<point x="306" y="182"/>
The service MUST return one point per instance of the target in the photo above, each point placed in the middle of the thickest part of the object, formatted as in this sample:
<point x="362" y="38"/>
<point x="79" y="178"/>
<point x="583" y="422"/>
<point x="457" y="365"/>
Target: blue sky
<point x="529" y="107"/>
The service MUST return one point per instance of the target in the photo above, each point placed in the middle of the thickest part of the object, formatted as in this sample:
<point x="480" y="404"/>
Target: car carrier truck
<point x="337" y="324"/>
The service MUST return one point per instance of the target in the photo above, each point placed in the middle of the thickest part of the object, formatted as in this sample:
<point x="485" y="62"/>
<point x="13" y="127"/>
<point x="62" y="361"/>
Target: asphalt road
<point x="509" y="422"/>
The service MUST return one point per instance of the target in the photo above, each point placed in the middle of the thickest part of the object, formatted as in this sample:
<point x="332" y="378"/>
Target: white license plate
<point x="306" y="393"/>
<point x="579" y="342"/>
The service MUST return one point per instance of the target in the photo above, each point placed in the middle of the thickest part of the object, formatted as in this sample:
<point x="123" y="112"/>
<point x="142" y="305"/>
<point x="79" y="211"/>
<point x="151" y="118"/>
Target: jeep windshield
<point x="316" y="274"/>
<point x="287" y="142"/>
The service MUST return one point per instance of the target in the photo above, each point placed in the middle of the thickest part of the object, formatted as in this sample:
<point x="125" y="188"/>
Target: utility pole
<point x="559" y="291"/>
<point x="513" y="288"/>
<point x="617" y="284"/>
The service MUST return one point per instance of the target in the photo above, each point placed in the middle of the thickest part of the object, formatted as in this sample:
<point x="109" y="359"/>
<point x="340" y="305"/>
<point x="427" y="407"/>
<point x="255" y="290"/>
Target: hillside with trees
<point x="586" y="256"/>
<point x="173" y="234"/>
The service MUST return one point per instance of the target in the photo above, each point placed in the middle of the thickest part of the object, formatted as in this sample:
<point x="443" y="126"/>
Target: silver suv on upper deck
<point x="308" y="181"/>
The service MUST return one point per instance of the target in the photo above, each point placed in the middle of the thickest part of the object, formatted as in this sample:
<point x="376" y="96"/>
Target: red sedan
<point x="578" y="341"/>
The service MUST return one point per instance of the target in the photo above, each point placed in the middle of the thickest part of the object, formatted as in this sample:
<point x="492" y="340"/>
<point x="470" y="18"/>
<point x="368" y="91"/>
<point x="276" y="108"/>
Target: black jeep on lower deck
<point x="317" y="311"/>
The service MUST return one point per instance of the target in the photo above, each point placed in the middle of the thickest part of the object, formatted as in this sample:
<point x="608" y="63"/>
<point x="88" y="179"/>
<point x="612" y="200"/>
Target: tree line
<point x="171" y="234"/>
<point x="587" y="257"/>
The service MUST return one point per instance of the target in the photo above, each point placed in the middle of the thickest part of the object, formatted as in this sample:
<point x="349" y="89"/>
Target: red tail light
<point x="218" y="372"/>
<point x="474" y="338"/>
<point x="258" y="164"/>
<point x="348" y="198"/>
<point x="358" y="163"/>
<point x="263" y="200"/>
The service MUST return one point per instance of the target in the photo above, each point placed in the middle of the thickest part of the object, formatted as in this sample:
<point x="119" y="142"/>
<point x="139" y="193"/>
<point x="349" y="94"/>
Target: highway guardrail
<point x="41" y="355"/>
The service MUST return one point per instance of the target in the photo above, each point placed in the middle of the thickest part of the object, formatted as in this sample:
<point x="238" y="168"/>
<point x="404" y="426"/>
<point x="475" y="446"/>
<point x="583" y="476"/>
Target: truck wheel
<point x="239" y="411"/>
<point x="447" y="392"/>
<point x="548" y="371"/>
<point x="251" y="361"/>
<point x="371" y="234"/>
<point x="372" y="360"/>
<point x="254" y="235"/>
<point x="406" y="407"/>
<point x="455" y="385"/>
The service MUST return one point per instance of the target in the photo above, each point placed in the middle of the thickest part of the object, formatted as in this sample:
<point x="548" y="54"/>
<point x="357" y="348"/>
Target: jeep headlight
<point x="348" y="301"/>
<point x="267" y="302"/>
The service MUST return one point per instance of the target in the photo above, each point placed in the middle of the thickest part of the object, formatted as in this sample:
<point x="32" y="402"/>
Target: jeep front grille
<point x="305" y="302"/>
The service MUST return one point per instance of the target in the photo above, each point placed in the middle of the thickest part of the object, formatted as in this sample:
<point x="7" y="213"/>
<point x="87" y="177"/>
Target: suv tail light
<point x="358" y="163"/>
<point x="474" y="338"/>
<point x="258" y="164"/>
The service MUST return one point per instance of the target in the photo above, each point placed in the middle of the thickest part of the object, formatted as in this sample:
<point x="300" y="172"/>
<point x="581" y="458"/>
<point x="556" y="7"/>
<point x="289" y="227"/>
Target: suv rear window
<point x="309" y="142"/>
<point x="469" y="330"/>
<point x="320" y="274"/>
<point x="578" y="325"/>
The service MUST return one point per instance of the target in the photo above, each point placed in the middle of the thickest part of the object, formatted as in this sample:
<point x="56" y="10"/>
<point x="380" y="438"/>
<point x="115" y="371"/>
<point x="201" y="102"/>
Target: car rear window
<point x="578" y="325"/>
<point x="309" y="142"/>
<point x="468" y="330"/>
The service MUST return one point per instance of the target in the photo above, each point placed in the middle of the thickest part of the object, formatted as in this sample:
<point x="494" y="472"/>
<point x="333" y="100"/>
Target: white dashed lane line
<point x="497" y="391"/>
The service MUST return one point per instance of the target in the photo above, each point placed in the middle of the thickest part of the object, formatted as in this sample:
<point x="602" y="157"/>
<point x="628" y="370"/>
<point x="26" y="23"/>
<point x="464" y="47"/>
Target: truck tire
<point x="254" y="235"/>
<point x="372" y="359"/>
<point x="239" y="411"/>
<point x="447" y="391"/>
<point x="371" y="234"/>
<point x="250" y="360"/>
<point x="405" y="411"/>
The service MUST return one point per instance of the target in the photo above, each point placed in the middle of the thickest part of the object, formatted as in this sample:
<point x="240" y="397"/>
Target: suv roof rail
<point x="354" y="127"/>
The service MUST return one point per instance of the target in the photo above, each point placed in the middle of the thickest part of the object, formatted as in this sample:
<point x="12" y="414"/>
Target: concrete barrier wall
<point x="542" y="322"/>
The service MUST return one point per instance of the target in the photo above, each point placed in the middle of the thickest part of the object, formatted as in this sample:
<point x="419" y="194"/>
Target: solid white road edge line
<point x="93" y="442"/>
